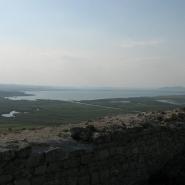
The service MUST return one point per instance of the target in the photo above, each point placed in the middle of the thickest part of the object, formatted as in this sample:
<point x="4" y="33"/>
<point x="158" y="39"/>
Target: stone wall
<point x="123" y="156"/>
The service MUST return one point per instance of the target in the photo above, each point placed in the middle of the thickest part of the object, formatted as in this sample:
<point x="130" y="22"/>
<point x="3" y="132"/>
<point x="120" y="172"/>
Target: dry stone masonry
<point x="112" y="155"/>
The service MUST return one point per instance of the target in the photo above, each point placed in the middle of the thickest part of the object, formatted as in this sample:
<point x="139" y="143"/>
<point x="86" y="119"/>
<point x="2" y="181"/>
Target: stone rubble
<point x="125" y="152"/>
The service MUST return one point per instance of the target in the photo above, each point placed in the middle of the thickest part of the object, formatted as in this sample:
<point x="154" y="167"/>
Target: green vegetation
<point x="46" y="112"/>
<point x="11" y="93"/>
<point x="140" y="104"/>
<point x="50" y="113"/>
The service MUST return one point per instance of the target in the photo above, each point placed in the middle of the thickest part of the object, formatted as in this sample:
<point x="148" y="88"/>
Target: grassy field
<point x="46" y="112"/>
<point x="50" y="113"/>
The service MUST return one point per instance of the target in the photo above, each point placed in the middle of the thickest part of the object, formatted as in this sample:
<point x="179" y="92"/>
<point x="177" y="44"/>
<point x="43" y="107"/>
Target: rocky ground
<point x="151" y="119"/>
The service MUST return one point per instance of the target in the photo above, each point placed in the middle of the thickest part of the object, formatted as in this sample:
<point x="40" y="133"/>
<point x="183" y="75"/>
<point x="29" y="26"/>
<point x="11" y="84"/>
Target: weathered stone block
<point x="87" y="158"/>
<point x="22" y="182"/>
<point x="55" y="154"/>
<point x="72" y="180"/>
<point x="53" y="167"/>
<point x="95" y="178"/>
<point x="23" y="150"/>
<point x="70" y="163"/>
<point x="6" y="154"/>
<point x="83" y="171"/>
<point x="5" y="179"/>
<point x="39" y="180"/>
<point x="104" y="176"/>
<point x="85" y="180"/>
<point x="35" y="159"/>
<point x="102" y="154"/>
<point x="40" y="170"/>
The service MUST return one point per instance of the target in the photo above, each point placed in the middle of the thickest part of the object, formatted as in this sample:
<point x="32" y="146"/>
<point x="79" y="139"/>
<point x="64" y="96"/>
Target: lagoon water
<point x="10" y="114"/>
<point x="91" y="94"/>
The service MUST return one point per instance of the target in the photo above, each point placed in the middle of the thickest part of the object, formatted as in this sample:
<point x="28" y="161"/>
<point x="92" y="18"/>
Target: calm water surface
<point x="77" y="95"/>
<point x="10" y="114"/>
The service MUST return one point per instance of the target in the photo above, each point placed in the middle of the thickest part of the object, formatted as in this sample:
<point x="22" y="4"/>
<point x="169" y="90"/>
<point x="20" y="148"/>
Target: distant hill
<point x="173" y="89"/>
<point x="15" y="87"/>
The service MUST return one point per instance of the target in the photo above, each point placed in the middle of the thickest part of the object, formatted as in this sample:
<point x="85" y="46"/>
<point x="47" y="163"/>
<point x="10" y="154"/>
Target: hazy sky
<point x="123" y="43"/>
